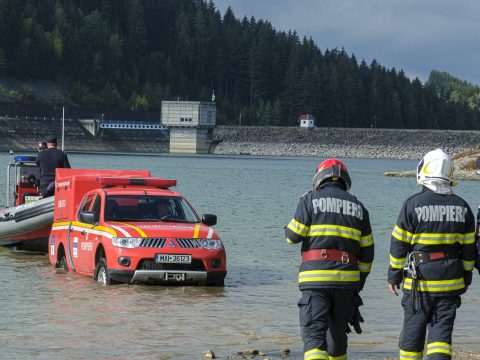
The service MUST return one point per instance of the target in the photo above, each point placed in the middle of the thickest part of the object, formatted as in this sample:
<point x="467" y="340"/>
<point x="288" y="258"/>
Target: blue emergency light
<point x="24" y="158"/>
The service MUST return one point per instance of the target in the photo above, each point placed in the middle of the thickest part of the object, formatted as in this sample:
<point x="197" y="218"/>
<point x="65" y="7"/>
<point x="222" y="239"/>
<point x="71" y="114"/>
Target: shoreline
<point x="285" y="353"/>
<point x="396" y="152"/>
<point x="260" y="141"/>
<point x="366" y="143"/>
<point x="259" y="150"/>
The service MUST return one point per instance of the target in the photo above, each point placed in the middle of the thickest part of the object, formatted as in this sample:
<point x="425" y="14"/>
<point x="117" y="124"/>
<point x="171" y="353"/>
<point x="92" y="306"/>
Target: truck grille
<point x="153" y="242"/>
<point x="184" y="243"/>
<point x="188" y="243"/>
<point x="150" y="264"/>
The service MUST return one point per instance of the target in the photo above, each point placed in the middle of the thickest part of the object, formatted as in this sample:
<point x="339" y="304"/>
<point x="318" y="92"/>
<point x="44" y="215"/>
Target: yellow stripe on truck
<point x="196" y="231"/>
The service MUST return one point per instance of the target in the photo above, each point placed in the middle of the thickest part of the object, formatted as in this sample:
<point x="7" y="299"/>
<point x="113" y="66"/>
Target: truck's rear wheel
<point x="101" y="275"/>
<point x="62" y="263"/>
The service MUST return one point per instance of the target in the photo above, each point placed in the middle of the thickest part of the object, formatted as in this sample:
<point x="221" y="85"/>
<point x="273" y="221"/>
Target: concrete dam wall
<point x="23" y="133"/>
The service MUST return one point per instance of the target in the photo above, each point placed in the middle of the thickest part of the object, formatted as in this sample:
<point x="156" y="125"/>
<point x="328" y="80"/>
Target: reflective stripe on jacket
<point x="331" y="218"/>
<point x="432" y="222"/>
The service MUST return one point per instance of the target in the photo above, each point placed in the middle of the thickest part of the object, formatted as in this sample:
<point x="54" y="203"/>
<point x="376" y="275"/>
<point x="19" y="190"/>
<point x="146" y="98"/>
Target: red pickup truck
<point x="124" y="226"/>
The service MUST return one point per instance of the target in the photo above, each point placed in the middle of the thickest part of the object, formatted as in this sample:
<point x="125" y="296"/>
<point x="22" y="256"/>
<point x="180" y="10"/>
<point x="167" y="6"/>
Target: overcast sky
<point x="414" y="35"/>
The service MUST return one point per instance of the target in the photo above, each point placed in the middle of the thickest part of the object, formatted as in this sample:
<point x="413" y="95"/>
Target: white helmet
<point x="435" y="171"/>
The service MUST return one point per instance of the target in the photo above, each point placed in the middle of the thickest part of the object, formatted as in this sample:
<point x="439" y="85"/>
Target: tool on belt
<point x="415" y="259"/>
<point x="329" y="254"/>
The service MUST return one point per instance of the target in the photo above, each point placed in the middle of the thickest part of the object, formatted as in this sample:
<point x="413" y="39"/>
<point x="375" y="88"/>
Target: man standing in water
<point x="434" y="241"/>
<point x="49" y="160"/>
<point x="337" y="255"/>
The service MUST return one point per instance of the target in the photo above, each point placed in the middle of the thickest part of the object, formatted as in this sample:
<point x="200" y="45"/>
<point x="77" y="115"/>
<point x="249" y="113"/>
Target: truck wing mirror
<point x="88" y="217"/>
<point x="209" y="219"/>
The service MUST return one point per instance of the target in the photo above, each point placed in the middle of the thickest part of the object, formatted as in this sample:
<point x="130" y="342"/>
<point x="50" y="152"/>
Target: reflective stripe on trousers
<point x="315" y="354"/>
<point x="439" y="348"/>
<point x="411" y="355"/>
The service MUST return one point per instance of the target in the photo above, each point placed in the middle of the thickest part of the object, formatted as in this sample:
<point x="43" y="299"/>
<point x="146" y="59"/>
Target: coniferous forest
<point x="135" y="53"/>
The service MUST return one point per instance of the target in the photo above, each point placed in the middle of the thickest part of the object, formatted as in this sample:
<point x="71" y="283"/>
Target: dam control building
<point x="191" y="125"/>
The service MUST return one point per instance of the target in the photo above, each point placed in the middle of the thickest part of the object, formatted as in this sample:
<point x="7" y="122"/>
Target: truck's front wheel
<point x="101" y="275"/>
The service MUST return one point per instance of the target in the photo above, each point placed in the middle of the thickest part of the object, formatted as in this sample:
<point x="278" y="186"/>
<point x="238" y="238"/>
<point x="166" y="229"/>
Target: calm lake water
<point x="51" y="315"/>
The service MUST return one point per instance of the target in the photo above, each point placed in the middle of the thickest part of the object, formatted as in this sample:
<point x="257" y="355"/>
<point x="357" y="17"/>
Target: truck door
<point x="82" y="241"/>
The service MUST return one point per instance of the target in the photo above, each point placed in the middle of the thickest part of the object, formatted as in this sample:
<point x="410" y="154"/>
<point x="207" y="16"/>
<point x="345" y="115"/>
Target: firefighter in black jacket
<point x="433" y="241"/>
<point x="49" y="160"/>
<point x="337" y="255"/>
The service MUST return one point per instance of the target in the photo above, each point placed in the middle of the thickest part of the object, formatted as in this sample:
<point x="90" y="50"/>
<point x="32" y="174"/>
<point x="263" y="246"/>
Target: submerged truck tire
<point x="62" y="263"/>
<point x="101" y="274"/>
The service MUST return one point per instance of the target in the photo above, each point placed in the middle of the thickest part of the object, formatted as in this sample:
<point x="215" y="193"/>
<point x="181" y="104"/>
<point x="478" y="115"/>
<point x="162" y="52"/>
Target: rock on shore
<point x="465" y="167"/>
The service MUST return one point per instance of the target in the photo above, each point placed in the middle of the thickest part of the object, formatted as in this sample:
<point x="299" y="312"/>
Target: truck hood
<point x="163" y="230"/>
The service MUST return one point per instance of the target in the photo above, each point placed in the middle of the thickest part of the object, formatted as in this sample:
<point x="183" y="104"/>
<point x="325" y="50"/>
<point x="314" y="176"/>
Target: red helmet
<point x="331" y="169"/>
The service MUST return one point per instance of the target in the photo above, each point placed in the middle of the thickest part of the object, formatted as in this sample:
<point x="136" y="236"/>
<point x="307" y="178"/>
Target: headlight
<point x="126" y="242"/>
<point x="210" y="244"/>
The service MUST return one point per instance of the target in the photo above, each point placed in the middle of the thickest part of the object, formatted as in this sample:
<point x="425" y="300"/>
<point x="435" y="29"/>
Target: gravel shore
<point x="284" y="354"/>
<point x="464" y="146"/>
<point x="342" y="142"/>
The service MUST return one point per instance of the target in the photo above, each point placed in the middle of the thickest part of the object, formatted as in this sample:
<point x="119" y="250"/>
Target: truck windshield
<point x="148" y="208"/>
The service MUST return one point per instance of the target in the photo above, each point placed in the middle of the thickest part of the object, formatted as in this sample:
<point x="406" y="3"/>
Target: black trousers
<point x="324" y="314"/>
<point x="437" y="314"/>
<point x="47" y="190"/>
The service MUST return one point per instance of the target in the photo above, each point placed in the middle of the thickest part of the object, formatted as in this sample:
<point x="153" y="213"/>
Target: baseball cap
<point x="52" y="139"/>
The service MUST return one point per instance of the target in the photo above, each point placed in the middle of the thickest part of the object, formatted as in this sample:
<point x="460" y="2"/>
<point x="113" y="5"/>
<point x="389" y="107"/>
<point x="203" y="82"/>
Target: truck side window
<point x="87" y="203"/>
<point x="96" y="207"/>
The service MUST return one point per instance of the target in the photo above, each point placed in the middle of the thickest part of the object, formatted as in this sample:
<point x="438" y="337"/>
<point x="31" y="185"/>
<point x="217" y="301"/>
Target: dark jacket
<point x="477" y="264"/>
<point x="49" y="160"/>
<point x="434" y="224"/>
<point x="331" y="218"/>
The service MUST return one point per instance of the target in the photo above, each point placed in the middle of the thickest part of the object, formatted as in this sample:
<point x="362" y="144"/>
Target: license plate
<point x="173" y="259"/>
